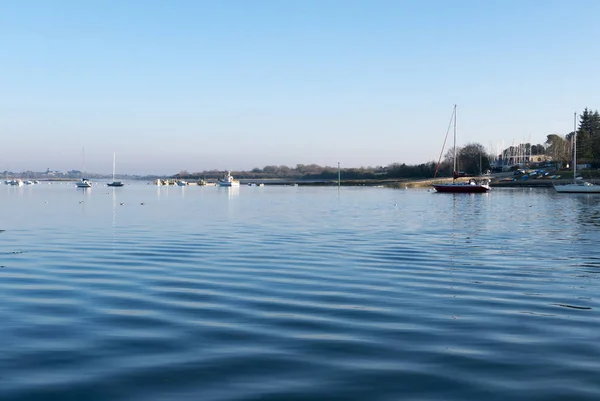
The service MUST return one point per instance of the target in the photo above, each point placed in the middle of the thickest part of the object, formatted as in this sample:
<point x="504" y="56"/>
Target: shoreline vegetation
<point x="394" y="176"/>
<point x="552" y="159"/>
<point x="504" y="179"/>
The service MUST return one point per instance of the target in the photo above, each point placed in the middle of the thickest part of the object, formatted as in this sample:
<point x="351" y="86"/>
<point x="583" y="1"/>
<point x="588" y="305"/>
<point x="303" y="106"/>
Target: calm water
<point x="295" y="293"/>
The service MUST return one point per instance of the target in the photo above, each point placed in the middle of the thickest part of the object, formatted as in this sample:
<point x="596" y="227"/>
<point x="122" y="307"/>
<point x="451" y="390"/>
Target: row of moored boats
<point x="226" y="181"/>
<point x="20" y="183"/>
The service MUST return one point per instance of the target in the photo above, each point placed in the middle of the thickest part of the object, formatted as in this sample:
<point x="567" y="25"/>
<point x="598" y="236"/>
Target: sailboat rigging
<point x="84" y="183"/>
<point x="114" y="183"/>
<point x="459" y="187"/>
<point x="578" y="186"/>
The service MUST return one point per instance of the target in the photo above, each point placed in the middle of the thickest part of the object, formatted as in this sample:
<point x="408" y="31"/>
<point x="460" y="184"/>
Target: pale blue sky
<point x="173" y="85"/>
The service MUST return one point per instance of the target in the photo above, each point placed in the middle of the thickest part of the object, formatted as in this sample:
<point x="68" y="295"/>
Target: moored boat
<point x="84" y="183"/>
<point x="16" y="183"/>
<point x="470" y="187"/>
<point x="228" y="181"/>
<point x="578" y="186"/>
<point x="114" y="183"/>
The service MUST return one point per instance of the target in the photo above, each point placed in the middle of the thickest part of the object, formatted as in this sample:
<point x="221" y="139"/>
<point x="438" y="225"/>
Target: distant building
<point x="540" y="159"/>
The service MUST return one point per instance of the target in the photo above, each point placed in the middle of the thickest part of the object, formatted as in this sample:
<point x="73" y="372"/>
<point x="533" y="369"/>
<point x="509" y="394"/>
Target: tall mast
<point x="574" y="146"/>
<point x="114" y="159"/>
<point x="454" y="167"/>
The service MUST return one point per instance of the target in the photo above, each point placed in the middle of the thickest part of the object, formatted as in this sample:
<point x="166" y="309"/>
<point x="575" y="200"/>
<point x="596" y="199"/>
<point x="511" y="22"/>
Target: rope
<point x="444" y="145"/>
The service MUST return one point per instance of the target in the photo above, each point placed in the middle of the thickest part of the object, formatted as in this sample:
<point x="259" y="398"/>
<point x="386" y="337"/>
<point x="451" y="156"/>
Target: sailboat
<point x="84" y="183"/>
<point x="114" y="183"/>
<point x="460" y="187"/>
<point x="578" y="186"/>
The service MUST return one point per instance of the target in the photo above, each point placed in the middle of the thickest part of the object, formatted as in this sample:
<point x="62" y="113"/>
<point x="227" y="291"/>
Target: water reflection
<point x="114" y="218"/>
<point x="162" y="190"/>
<point x="360" y="292"/>
<point x="587" y="207"/>
<point x="232" y="192"/>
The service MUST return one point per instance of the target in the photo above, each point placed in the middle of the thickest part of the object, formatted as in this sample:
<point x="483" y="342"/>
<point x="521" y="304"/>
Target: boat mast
<point x="82" y="162"/>
<point x="114" y="159"/>
<point x="574" y="146"/>
<point x="454" y="166"/>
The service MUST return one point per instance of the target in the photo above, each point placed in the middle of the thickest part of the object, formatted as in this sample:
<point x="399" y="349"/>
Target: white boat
<point x="182" y="183"/>
<point x="16" y="183"/>
<point x="84" y="183"/>
<point x="578" y="186"/>
<point x="228" y="181"/>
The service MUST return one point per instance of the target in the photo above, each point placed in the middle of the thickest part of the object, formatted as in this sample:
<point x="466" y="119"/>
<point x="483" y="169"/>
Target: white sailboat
<point x="84" y="183"/>
<point x="578" y="186"/>
<point x="114" y="183"/>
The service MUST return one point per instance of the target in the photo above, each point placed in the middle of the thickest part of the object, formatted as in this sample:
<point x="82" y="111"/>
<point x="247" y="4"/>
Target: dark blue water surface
<point x="298" y="293"/>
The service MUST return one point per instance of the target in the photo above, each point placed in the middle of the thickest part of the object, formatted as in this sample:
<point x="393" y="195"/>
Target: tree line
<point x="588" y="141"/>
<point x="317" y="172"/>
<point x="469" y="160"/>
<point x="472" y="159"/>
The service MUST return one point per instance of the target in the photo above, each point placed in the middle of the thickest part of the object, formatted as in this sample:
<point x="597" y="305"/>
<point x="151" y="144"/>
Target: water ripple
<point x="298" y="294"/>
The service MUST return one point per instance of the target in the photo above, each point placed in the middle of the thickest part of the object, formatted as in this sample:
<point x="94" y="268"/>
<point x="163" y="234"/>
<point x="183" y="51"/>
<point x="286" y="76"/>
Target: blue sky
<point x="194" y="85"/>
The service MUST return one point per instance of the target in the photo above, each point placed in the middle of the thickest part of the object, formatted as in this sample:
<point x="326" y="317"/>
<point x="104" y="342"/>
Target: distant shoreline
<point x="496" y="182"/>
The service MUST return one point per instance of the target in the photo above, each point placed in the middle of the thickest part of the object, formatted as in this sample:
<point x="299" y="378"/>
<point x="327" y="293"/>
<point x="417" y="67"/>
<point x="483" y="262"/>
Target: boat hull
<point x="115" y="184"/>
<point x="228" y="181"/>
<point x="462" y="188"/>
<point x="583" y="188"/>
<point x="84" y="183"/>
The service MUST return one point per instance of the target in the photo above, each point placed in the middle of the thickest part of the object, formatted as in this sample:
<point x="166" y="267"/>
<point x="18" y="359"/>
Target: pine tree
<point x="588" y="136"/>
